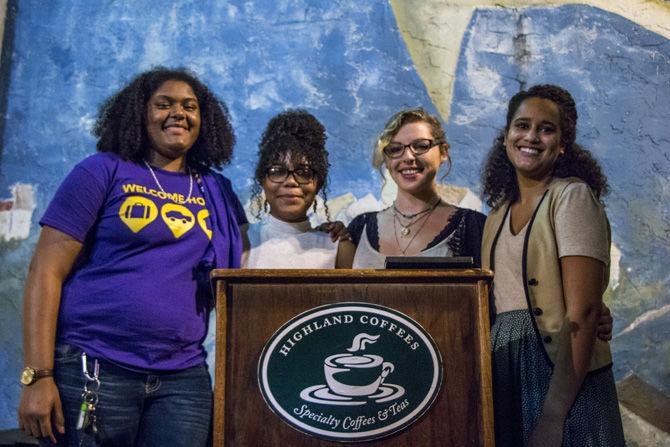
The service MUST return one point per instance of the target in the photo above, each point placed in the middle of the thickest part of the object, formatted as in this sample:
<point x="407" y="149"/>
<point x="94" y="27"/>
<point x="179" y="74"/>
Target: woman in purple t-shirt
<point x="114" y="313"/>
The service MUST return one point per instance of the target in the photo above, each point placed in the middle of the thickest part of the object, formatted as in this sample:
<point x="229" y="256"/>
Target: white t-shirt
<point x="278" y="244"/>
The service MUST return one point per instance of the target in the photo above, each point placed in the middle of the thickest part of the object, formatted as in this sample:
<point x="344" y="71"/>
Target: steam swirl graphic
<point x="361" y="340"/>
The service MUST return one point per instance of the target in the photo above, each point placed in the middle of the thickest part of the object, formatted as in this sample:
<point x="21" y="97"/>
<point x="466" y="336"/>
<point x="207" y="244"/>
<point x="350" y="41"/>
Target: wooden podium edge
<point x="352" y="274"/>
<point x="219" y="408"/>
<point x="222" y="277"/>
<point x="485" y="367"/>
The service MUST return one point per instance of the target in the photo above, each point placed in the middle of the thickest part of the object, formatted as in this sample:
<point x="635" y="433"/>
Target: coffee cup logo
<point x="356" y="375"/>
<point x="350" y="371"/>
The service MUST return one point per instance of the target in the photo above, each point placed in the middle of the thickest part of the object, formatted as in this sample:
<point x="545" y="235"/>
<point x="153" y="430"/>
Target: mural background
<point x="353" y="64"/>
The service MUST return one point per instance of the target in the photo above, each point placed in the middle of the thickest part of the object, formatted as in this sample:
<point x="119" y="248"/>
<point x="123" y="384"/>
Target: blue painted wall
<point x="347" y="63"/>
<point x="619" y="75"/>
<point x="344" y="61"/>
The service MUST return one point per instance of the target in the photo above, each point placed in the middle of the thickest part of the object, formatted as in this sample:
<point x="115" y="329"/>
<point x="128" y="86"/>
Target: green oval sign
<point x="350" y="371"/>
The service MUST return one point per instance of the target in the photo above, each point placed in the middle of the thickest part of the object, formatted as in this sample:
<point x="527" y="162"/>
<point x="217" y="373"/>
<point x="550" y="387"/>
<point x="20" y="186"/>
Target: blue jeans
<point x="135" y="409"/>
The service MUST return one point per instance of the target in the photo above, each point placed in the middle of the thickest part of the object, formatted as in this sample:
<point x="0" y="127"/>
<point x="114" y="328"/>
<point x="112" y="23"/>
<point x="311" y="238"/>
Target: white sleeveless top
<point x="278" y="244"/>
<point x="367" y="257"/>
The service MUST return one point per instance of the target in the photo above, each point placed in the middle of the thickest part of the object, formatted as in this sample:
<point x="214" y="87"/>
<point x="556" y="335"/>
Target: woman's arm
<point x="246" y="245"/>
<point x="337" y="230"/>
<point x="345" y="255"/>
<point x="40" y="408"/>
<point x="582" y="288"/>
<point x="345" y="248"/>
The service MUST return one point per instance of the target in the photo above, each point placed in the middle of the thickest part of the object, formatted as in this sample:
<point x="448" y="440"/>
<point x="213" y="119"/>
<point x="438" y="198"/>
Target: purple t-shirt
<point x="131" y="299"/>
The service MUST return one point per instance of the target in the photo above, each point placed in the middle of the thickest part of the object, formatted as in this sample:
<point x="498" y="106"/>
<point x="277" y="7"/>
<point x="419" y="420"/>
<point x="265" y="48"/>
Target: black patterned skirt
<point x="521" y="376"/>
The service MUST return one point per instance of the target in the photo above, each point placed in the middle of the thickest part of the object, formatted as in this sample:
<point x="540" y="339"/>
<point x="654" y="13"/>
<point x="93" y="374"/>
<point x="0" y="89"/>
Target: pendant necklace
<point x="405" y="228"/>
<point x="395" y="230"/>
<point x="190" y="181"/>
<point x="413" y="218"/>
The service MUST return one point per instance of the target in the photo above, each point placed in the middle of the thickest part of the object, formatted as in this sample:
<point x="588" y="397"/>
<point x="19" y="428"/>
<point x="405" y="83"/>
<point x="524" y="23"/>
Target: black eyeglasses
<point x="418" y="147"/>
<point x="301" y="174"/>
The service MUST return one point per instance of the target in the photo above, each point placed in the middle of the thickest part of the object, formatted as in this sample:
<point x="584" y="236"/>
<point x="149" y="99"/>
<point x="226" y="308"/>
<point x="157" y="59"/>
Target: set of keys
<point x="87" y="418"/>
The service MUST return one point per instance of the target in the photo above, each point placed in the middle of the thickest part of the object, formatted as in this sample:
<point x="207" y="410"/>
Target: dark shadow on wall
<point x="6" y="68"/>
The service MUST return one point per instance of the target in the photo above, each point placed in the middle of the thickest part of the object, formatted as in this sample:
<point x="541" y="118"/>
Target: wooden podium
<point x="451" y="305"/>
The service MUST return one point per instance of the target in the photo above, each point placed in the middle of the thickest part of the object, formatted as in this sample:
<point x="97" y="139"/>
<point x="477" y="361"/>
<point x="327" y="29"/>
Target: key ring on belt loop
<point x="90" y="379"/>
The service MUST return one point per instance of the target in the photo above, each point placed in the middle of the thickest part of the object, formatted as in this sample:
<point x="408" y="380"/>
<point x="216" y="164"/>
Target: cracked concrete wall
<point x="619" y="73"/>
<point x="617" y="66"/>
<point x="353" y="64"/>
<point x="433" y="30"/>
<point x="344" y="61"/>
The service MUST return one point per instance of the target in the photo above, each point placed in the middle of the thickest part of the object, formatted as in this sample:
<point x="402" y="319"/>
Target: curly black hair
<point x="299" y="135"/>
<point x="121" y="127"/>
<point x="499" y="177"/>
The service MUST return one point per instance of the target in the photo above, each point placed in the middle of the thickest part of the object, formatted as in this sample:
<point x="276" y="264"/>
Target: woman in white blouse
<point x="292" y="170"/>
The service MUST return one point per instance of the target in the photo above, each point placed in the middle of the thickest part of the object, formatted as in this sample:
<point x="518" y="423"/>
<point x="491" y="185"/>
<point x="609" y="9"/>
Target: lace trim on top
<point x="454" y="230"/>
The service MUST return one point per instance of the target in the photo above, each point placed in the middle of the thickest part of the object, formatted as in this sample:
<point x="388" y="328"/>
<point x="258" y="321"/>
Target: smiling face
<point x="415" y="173"/>
<point x="533" y="140"/>
<point x="289" y="200"/>
<point x="173" y="122"/>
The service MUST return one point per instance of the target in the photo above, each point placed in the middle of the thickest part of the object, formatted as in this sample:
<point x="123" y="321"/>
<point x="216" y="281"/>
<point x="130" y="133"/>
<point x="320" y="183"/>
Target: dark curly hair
<point x="121" y="126"/>
<point x="499" y="177"/>
<point x="299" y="135"/>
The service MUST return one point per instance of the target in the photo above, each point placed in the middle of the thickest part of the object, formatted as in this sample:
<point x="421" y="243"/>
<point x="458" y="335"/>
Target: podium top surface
<point x="451" y="275"/>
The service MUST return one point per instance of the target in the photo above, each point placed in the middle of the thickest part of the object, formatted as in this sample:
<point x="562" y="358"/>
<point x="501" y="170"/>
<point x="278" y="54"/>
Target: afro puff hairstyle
<point x="297" y="136"/>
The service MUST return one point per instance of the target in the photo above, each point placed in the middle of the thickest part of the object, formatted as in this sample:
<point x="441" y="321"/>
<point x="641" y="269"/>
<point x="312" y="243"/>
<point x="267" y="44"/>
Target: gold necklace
<point x="190" y="181"/>
<point x="405" y="229"/>
<point x="395" y="232"/>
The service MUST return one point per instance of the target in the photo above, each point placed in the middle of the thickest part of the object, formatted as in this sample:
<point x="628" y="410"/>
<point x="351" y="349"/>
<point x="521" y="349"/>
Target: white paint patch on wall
<point x="87" y="122"/>
<point x="156" y="50"/>
<point x="567" y="40"/>
<point x="615" y="266"/>
<point x="16" y="213"/>
<point x="262" y="96"/>
<point x="315" y="98"/>
<point x="484" y="84"/>
<point x="232" y="11"/>
<point x="366" y="75"/>
<point x="651" y="315"/>
<point x="254" y="78"/>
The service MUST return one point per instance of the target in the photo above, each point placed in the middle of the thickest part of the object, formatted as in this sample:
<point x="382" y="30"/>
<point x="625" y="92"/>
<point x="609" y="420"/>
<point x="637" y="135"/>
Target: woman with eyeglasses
<point x="292" y="170"/>
<point x="413" y="148"/>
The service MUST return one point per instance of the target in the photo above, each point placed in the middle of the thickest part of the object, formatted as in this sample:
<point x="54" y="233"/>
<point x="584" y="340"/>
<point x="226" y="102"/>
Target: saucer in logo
<point x="350" y="371"/>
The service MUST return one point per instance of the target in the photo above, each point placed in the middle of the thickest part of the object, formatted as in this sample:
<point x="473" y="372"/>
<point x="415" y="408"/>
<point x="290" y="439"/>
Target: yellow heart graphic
<point x="137" y="212"/>
<point x="202" y="215"/>
<point x="179" y="219"/>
